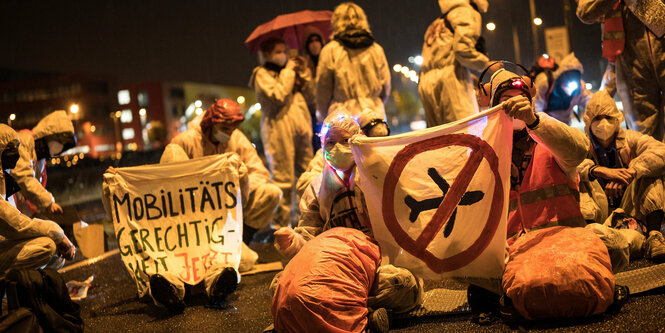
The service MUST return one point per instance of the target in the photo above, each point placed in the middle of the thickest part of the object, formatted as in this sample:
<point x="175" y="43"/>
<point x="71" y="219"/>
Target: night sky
<point x="202" y="40"/>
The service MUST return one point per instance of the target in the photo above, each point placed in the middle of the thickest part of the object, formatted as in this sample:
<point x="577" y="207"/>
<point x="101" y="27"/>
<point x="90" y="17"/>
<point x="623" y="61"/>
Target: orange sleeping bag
<point x="324" y="288"/>
<point x="559" y="272"/>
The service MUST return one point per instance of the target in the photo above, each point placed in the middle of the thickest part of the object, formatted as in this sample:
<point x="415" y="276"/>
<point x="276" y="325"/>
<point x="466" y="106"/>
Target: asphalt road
<point x="112" y="306"/>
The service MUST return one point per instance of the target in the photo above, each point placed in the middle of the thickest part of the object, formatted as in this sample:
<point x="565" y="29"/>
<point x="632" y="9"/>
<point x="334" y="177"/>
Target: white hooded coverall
<point x="641" y="152"/>
<point x="286" y="130"/>
<point x="568" y="63"/>
<point x="263" y="196"/>
<point x="24" y="242"/>
<point x="640" y="69"/>
<point x="29" y="169"/>
<point x="445" y="87"/>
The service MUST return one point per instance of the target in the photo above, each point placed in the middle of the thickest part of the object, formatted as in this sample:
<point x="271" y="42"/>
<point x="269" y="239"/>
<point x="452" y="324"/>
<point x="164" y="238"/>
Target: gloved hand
<point x="284" y="237"/>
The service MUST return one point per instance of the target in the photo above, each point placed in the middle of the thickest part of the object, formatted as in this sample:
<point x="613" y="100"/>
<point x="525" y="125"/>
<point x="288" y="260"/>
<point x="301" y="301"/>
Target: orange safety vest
<point x="547" y="197"/>
<point x="614" y="38"/>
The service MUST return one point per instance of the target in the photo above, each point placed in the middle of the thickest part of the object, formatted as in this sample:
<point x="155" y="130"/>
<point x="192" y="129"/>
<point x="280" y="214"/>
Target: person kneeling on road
<point x="321" y="209"/>
<point x="26" y="242"/>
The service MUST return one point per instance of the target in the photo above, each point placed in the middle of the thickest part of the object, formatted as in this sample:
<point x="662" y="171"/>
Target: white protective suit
<point x="640" y="69"/>
<point x="542" y="98"/>
<point x="263" y="196"/>
<point x="352" y="75"/>
<point x="286" y="130"/>
<point x="317" y="163"/>
<point x="24" y="242"/>
<point x="641" y="152"/>
<point x="330" y="202"/>
<point x="445" y="86"/>
<point x="30" y="170"/>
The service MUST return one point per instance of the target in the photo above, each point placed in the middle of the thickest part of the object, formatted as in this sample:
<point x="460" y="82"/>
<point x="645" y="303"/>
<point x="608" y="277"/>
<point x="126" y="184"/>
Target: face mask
<point x="55" y="147"/>
<point x="340" y="157"/>
<point x="9" y="158"/>
<point x="603" y="129"/>
<point x="518" y="125"/>
<point x="222" y="137"/>
<point x="279" y="59"/>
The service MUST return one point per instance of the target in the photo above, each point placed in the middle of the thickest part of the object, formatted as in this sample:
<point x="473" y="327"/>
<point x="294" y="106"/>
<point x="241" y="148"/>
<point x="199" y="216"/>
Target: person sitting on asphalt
<point x="321" y="209"/>
<point x="26" y="242"/>
<point x="560" y="91"/>
<point x="371" y="123"/>
<point x="50" y="137"/>
<point x="624" y="170"/>
<point x="546" y="153"/>
<point x="218" y="133"/>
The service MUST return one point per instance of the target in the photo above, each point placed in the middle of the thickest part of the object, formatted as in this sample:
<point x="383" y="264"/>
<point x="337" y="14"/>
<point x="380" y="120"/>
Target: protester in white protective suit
<point x="25" y="242"/>
<point x="625" y="169"/>
<point x="446" y="86"/>
<point x="334" y="200"/>
<point x="371" y="123"/>
<point x="282" y="87"/>
<point x="218" y="133"/>
<point x="545" y="156"/>
<point x="50" y="137"/>
<point x="167" y="289"/>
<point x="353" y="70"/>
<point x="634" y="37"/>
<point x="559" y="92"/>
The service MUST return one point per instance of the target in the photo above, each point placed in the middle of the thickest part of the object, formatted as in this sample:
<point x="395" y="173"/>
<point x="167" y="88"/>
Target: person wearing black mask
<point x="312" y="42"/>
<point x="26" y="242"/>
<point x="50" y="137"/>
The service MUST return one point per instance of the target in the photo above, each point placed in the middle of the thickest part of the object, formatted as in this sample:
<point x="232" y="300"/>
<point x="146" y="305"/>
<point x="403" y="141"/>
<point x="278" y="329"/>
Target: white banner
<point x="178" y="217"/>
<point x="438" y="198"/>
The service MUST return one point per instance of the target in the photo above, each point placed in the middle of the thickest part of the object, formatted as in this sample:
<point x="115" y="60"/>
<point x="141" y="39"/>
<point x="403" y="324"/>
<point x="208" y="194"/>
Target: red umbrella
<point x="290" y="28"/>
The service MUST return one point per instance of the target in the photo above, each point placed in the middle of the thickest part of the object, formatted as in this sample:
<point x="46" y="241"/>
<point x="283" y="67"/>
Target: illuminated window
<point x="123" y="97"/>
<point x="142" y="98"/>
<point x="126" y="116"/>
<point x="127" y="133"/>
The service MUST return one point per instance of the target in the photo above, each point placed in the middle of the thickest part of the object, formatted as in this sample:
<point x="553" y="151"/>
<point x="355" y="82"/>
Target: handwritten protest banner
<point x="178" y="217"/>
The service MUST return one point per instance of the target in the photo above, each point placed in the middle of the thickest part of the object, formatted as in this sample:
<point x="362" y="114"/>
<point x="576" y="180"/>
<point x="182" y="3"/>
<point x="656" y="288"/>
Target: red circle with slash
<point x="418" y="247"/>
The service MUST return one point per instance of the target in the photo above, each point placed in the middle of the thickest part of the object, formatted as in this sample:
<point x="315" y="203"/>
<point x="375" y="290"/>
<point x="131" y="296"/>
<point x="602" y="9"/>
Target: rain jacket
<point x="445" y="87"/>
<point x="353" y="72"/>
<point x="640" y="152"/>
<point x="286" y="130"/>
<point x="545" y="88"/>
<point x="13" y="224"/>
<point x="640" y="67"/>
<point x="30" y="171"/>
<point x="196" y="145"/>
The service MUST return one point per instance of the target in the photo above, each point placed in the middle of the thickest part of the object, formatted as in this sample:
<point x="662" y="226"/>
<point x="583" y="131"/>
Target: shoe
<point x="621" y="294"/>
<point x="226" y="283"/>
<point x="377" y="321"/>
<point x="164" y="293"/>
<point x="655" y="246"/>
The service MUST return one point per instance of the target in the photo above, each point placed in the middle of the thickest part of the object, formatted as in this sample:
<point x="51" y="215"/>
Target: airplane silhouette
<point x="419" y="206"/>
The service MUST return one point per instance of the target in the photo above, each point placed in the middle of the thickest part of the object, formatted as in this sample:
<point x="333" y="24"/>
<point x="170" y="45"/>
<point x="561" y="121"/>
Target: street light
<point x="490" y="26"/>
<point x="74" y="108"/>
<point x="12" y="117"/>
<point x="537" y="21"/>
<point x="397" y="68"/>
<point x="142" y="112"/>
<point x="240" y="99"/>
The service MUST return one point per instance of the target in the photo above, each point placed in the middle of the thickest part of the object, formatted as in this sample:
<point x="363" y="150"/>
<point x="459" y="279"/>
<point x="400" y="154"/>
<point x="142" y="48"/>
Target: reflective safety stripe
<point x="608" y="35"/>
<point x="544" y="193"/>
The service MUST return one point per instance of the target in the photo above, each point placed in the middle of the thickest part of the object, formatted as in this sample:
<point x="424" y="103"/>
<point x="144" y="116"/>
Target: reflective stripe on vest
<point x="614" y="38"/>
<point x="547" y="197"/>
